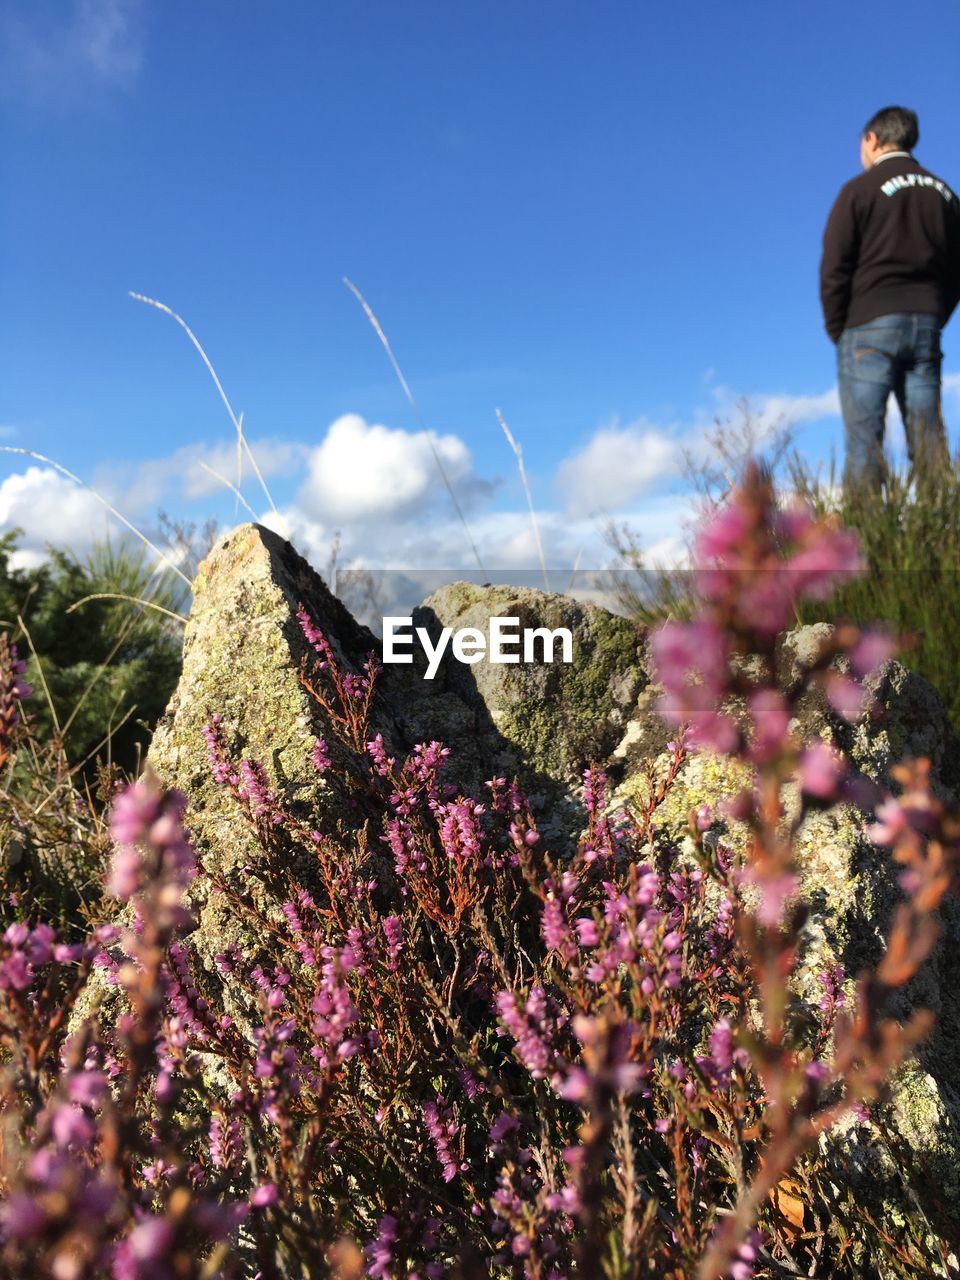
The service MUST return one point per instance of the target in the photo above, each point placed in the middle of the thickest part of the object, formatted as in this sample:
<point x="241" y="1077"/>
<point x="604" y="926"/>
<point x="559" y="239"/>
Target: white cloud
<point x="616" y="466"/>
<point x="50" y="509"/>
<point x="181" y="476"/>
<point x="364" y="471"/>
<point x="768" y="412"/>
<point x="620" y="465"/>
<point x="424" y="554"/>
<point x="504" y="539"/>
<point x="951" y="384"/>
<point x="785" y="410"/>
<point x="56" y="57"/>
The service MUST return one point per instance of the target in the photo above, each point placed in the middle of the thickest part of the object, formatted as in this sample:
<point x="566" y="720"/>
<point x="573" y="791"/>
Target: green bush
<point x="104" y="652"/>
<point x="911" y="541"/>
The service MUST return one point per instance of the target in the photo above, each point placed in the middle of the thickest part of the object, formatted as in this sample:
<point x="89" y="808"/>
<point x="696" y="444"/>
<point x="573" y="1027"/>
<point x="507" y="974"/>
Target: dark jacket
<point x="892" y="244"/>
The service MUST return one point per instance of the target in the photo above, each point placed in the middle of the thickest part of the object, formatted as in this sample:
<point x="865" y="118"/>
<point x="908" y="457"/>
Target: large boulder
<point x="542" y="722"/>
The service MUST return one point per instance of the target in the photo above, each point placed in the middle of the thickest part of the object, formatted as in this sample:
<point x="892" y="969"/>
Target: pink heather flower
<point x="721" y="1045"/>
<point x="845" y="696"/>
<point x="460" y="833"/>
<point x="691" y="661"/>
<point x="817" y="1072"/>
<point x="742" y="1267"/>
<point x="557" y="934"/>
<point x="393" y="932"/>
<point x="615" y="1071"/>
<point x="443" y="1128"/>
<point x="566" y="1200"/>
<point x="124" y="879"/>
<point x="588" y="935"/>
<point x="150" y="1239"/>
<point x="829" y="556"/>
<point x="146" y="819"/>
<point x="723" y="534"/>
<point x="226" y="1142"/>
<point x="315" y="637"/>
<point x="265" y="1196"/>
<point x="771" y="718"/>
<point x="793" y="523"/>
<point x="832" y="982"/>
<point x="531" y="1026"/>
<point x="220" y="767"/>
<point x="505" y="1123"/>
<point x="775" y="891"/>
<point x="256" y="790"/>
<point x="821" y="770"/>
<point x="321" y="756"/>
<point x="71" y="1127"/>
<point x="870" y="652"/>
<point x="380" y="1251"/>
<point x="22" y="1216"/>
<point x="891" y="825"/>
<point x="86" y="1087"/>
<point x="133" y="813"/>
<point x="766" y="600"/>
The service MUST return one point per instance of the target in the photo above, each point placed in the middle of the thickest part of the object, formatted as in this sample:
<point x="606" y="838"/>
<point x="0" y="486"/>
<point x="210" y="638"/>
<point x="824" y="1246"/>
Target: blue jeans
<point x="898" y="353"/>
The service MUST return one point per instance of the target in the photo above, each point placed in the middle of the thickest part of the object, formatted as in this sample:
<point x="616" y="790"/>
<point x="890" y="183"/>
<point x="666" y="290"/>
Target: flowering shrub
<point x="456" y="1053"/>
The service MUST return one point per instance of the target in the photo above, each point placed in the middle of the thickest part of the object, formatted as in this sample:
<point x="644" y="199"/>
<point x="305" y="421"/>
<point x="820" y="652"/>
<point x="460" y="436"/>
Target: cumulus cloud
<point x="363" y="471"/>
<point x="409" y="559"/>
<point x="622" y="465"/>
<point x="50" y="510"/>
<point x="56" y="55"/>
<point x="185" y="475"/>
<point x="770" y="412"/>
<point x="774" y="411"/>
<point x="504" y="539"/>
<point x="616" y="467"/>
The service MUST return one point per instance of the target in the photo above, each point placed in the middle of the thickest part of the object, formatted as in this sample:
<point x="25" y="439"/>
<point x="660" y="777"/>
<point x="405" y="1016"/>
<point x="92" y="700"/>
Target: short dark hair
<point x="895" y="127"/>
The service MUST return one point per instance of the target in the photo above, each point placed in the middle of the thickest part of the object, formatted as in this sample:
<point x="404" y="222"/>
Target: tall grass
<point x="911" y="540"/>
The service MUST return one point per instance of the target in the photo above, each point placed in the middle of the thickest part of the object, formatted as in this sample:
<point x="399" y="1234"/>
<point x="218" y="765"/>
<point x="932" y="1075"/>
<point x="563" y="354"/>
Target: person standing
<point x="889" y="282"/>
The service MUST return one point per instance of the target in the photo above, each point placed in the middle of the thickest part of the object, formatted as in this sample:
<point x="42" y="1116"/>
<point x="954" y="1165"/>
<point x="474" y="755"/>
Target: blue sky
<point x="603" y="219"/>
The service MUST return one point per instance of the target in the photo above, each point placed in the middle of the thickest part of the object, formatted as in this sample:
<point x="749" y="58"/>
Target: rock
<point x="546" y="721"/>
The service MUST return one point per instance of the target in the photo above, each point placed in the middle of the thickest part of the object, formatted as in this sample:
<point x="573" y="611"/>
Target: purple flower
<point x="150" y="1239"/>
<point x="505" y="1123"/>
<point x="443" y="1127"/>
<point x="870" y="652"/>
<point x="532" y="1027"/>
<point x="744" y="1263"/>
<point x="380" y="1251"/>
<point x="771" y="717"/>
<point x="845" y="696"/>
<point x="71" y="1127"/>
<point x="821" y="770"/>
<point x="393" y="932"/>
